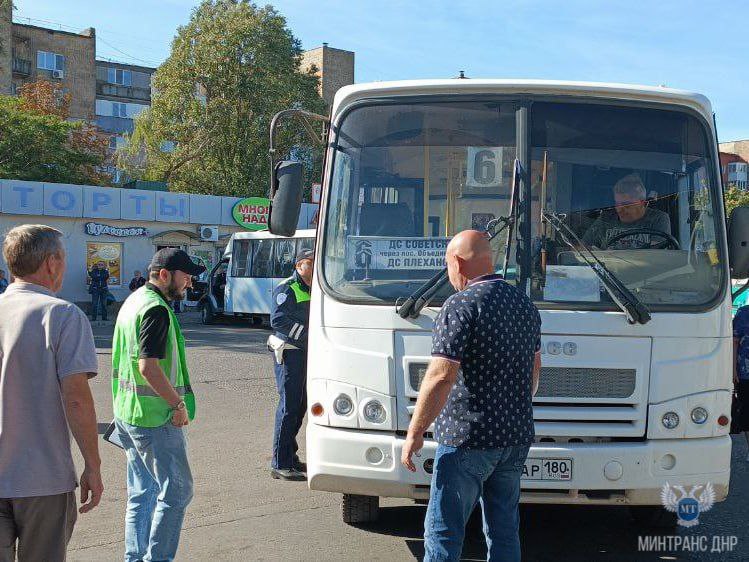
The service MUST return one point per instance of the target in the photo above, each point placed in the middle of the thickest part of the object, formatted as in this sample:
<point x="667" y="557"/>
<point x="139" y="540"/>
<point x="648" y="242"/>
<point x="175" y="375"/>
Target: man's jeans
<point x="461" y="478"/>
<point x="99" y="303"/>
<point x="159" y="488"/>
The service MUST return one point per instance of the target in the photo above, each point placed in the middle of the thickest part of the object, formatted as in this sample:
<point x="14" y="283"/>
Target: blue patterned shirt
<point x="741" y="332"/>
<point x="493" y="330"/>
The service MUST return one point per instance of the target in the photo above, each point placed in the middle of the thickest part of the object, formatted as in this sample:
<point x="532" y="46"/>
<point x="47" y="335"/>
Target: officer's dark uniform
<point x="289" y="320"/>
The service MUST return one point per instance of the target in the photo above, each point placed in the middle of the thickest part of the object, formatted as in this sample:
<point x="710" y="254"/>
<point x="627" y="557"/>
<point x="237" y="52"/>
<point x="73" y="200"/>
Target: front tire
<point x="357" y="509"/>
<point x="206" y="314"/>
<point x="652" y="517"/>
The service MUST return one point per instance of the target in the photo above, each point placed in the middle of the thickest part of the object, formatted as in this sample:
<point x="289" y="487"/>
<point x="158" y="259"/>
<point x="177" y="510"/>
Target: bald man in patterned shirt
<point x="478" y="387"/>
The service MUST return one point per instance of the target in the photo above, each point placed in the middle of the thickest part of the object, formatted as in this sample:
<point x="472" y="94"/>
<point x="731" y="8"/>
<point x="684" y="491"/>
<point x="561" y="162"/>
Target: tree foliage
<point x="735" y="197"/>
<point x="231" y="68"/>
<point x="38" y="143"/>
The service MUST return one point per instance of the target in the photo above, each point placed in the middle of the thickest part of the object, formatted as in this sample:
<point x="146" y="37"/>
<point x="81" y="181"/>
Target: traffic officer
<point x="289" y="346"/>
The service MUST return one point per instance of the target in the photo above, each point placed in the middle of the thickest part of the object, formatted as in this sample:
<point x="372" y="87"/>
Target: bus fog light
<point x="699" y="415"/>
<point x="668" y="462"/>
<point x="613" y="470"/>
<point x="724" y="420"/>
<point x="343" y="405"/>
<point x="374" y="412"/>
<point x="670" y="420"/>
<point x="317" y="410"/>
<point x="374" y="455"/>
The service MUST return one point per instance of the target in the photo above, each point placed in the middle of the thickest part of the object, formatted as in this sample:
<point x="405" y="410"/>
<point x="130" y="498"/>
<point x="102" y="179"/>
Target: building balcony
<point x="129" y="92"/>
<point x="21" y="67"/>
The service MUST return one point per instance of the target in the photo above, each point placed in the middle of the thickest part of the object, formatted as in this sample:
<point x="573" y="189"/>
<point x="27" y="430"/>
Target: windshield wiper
<point x="632" y="307"/>
<point x="421" y="296"/>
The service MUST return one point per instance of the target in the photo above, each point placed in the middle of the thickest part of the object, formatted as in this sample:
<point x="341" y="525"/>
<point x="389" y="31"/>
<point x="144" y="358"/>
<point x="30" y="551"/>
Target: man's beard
<point x="173" y="293"/>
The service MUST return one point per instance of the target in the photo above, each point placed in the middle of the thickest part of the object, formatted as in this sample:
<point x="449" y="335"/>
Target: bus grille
<point x="581" y="382"/>
<point x="565" y="382"/>
<point x="577" y="402"/>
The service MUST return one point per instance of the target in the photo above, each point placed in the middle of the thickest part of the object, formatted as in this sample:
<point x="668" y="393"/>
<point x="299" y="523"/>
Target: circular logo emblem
<point x="688" y="509"/>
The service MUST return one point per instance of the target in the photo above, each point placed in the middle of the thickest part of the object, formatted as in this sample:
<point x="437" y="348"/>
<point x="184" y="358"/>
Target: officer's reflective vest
<point x="135" y="402"/>
<point x="300" y="293"/>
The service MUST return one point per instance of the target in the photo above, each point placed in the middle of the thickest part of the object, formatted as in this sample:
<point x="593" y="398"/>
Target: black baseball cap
<point x="304" y="255"/>
<point x="174" y="259"/>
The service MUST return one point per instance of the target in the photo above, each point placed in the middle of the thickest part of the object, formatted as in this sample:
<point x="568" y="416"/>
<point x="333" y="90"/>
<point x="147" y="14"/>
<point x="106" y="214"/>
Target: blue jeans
<point x="159" y="488"/>
<point x="99" y="302"/>
<point x="291" y="380"/>
<point x="463" y="477"/>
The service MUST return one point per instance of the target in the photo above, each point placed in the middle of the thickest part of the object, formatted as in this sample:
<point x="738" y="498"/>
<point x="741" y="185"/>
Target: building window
<point x="119" y="109"/>
<point x="119" y="76"/>
<point x="50" y="61"/>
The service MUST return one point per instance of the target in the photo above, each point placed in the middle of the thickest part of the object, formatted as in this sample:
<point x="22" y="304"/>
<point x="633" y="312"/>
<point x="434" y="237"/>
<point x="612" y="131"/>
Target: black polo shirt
<point x="154" y="330"/>
<point x="494" y="331"/>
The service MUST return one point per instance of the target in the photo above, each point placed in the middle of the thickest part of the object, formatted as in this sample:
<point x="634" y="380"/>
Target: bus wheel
<point x="360" y="509"/>
<point x="206" y="314"/>
<point x="652" y="517"/>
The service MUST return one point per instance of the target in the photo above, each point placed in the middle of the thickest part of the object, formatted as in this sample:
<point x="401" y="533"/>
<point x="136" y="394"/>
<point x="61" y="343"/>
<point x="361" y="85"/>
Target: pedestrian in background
<point x="479" y="386"/>
<point x="98" y="288"/>
<point x="741" y="368"/>
<point x="153" y="402"/>
<point x="288" y="343"/>
<point x="47" y="355"/>
<point x="137" y="281"/>
<point x="3" y="282"/>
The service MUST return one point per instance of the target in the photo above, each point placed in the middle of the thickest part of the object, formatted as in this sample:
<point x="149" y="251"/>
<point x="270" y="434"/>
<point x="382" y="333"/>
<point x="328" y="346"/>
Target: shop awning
<point x="176" y="237"/>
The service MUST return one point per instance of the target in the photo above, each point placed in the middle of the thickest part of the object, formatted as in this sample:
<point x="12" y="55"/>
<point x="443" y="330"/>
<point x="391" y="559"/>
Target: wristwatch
<point x="180" y="406"/>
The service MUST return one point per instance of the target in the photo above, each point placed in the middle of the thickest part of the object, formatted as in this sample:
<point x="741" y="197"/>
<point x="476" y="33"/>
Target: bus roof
<point x="301" y="233"/>
<point x="656" y="94"/>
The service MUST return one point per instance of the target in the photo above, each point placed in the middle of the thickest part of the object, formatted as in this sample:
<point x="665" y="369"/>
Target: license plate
<point x="547" y="469"/>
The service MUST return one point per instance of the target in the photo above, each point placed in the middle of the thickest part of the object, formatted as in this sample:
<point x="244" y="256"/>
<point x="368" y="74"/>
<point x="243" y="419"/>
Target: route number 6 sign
<point x="484" y="166"/>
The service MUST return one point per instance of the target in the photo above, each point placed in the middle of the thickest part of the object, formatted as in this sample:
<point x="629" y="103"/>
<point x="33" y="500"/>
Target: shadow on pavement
<point x="548" y="533"/>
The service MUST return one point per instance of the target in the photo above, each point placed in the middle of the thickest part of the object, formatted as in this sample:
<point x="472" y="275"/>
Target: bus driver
<point x="631" y="213"/>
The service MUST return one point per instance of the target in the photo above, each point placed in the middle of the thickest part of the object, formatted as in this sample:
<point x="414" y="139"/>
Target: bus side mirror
<point x="286" y="198"/>
<point x="738" y="242"/>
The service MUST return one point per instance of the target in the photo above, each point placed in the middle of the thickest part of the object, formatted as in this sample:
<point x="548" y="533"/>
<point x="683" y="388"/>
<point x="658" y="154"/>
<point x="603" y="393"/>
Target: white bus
<point x="253" y="264"/>
<point x="635" y="388"/>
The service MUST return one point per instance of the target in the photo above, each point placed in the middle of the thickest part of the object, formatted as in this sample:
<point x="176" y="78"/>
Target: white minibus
<point x="253" y="264"/>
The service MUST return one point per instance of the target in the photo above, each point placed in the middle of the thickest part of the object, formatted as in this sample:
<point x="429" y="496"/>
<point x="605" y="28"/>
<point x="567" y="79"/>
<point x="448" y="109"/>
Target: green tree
<point x="231" y="68"/>
<point x="735" y="197"/>
<point x="39" y="144"/>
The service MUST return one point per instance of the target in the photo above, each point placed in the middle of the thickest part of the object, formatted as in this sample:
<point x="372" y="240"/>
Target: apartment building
<point x="335" y="68"/>
<point x="123" y="91"/>
<point x="734" y="163"/>
<point x="30" y="53"/>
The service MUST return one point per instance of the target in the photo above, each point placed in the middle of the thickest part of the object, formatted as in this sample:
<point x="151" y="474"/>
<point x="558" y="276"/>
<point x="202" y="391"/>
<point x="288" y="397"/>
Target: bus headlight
<point x="699" y="415"/>
<point x="670" y="420"/>
<point x="374" y="412"/>
<point x="343" y="405"/>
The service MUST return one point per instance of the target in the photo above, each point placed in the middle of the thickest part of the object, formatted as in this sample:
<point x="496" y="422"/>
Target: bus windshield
<point x="635" y="184"/>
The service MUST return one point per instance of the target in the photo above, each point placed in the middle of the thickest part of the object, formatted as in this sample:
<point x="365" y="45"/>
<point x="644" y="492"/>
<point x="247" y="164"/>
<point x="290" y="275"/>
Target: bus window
<point x="240" y="258"/>
<point x="305" y="244"/>
<point x="283" y="258"/>
<point x="262" y="252"/>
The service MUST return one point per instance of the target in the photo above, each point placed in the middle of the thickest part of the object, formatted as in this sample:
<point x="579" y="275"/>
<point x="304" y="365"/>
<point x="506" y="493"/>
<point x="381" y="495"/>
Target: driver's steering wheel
<point x="668" y="240"/>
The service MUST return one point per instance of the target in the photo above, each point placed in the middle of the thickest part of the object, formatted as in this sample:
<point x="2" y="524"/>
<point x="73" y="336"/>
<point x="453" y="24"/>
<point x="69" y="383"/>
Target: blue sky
<point x="690" y="44"/>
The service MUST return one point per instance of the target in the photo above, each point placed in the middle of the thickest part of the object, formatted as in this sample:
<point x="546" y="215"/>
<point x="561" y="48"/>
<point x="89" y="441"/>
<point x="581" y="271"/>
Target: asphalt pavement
<point x="240" y="513"/>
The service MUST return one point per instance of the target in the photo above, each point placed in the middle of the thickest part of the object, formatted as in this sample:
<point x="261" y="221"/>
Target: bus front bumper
<point x="368" y="463"/>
